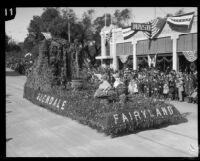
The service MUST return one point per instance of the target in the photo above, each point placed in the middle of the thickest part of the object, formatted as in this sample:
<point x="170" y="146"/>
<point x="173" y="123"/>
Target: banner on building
<point x="128" y="32"/>
<point x="191" y="56"/>
<point x="181" y="20"/>
<point x="141" y="27"/>
<point x="152" y="60"/>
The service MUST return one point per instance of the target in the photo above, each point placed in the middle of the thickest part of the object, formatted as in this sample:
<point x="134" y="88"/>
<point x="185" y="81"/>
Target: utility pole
<point x="111" y="19"/>
<point x="68" y="30"/>
<point x="105" y="19"/>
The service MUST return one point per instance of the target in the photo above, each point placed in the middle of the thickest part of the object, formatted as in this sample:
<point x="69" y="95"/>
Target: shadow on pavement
<point x="12" y="73"/>
<point x="186" y="114"/>
<point x="7" y="95"/>
<point x="8" y="111"/>
<point x="8" y="101"/>
<point x="8" y="139"/>
<point x="124" y="133"/>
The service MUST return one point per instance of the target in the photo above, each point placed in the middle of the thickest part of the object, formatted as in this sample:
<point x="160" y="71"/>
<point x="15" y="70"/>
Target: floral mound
<point x="114" y="118"/>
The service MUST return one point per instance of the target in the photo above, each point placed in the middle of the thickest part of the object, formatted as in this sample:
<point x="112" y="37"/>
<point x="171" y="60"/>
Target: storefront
<point x="173" y="48"/>
<point x="161" y="47"/>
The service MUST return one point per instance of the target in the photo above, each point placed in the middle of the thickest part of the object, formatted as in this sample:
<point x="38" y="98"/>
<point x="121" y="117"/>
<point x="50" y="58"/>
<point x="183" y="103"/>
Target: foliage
<point x="121" y="17"/>
<point x="87" y="30"/>
<point x="11" y="45"/>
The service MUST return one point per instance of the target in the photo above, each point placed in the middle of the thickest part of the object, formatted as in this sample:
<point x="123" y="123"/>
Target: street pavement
<point x="32" y="131"/>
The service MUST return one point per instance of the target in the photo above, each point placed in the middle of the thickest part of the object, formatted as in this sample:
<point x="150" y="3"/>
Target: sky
<point x="17" y="28"/>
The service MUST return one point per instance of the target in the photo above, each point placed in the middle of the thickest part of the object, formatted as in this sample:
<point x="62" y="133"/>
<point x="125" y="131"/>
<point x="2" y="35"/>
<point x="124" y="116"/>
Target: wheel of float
<point x="192" y="66"/>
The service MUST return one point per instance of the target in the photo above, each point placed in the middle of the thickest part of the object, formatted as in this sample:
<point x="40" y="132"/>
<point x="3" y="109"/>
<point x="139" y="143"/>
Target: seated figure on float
<point x="117" y="80"/>
<point x="133" y="87"/>
<point x="119" y="85"/>
<point x="104" y="87"/>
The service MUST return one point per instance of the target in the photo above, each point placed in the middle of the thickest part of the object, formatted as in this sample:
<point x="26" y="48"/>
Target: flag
<point x="109" y="36"/>
<point x="179" y="20"/>
<point x="152" y="60"/>
<point x="156" y="27"/>
<point x="127" y="32"/>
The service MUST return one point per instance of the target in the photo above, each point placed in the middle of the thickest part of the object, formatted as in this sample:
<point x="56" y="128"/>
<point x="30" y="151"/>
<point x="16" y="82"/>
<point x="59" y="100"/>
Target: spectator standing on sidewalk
<point x="165" y="89"/>
<point x="180" y="88"/>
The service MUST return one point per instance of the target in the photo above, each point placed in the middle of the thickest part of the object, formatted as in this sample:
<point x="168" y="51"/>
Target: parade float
<point x="44" y="87"/>
<point x="57" y="83"/>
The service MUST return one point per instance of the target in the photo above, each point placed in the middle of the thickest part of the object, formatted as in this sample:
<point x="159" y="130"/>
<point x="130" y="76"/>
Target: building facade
<point x="169" y="47"/>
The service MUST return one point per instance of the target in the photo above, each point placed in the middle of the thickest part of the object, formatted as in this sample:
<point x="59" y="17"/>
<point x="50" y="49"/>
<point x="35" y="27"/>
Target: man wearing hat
<point x="104" y="87"/>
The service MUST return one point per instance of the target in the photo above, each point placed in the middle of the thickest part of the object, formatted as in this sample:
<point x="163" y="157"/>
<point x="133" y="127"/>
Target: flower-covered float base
<point x="111" y="118"/>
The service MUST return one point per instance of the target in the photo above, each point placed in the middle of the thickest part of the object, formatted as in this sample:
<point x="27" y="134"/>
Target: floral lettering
<point x="63" y="104"/>
<point x="51" y="100"/>
<point x="124" y="118"/>
<point x="115" y="117"/>
<point x="164" y="111"/>
<point x="158" y="112"/>
<point x="170" y="110"/>
<point x="137" y="114"/>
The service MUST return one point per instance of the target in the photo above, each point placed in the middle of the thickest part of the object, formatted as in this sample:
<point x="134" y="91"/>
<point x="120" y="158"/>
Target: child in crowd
<point x="133" y="87"/>
<point x="165" y="90"/>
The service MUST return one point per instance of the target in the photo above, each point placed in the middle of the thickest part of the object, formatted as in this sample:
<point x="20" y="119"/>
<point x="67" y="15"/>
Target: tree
<point x="47" y="17"/>
<point x="7" y="38"/>
<point x="121" y="17"/>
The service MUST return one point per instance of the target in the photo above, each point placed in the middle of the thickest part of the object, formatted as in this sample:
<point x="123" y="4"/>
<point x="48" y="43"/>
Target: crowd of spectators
<point x="168" y="85"/>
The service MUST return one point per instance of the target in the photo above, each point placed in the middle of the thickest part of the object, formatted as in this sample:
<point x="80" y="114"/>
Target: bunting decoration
<point x="123" y="58"/>
<point x="191" y="56"/>
<point x="181" y="20"/>
<point x="128" y="32"/>
<point x="156" y="27"/>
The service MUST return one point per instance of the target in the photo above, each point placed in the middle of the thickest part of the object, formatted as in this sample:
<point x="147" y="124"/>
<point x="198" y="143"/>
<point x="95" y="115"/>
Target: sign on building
<point x="141" y="27"/>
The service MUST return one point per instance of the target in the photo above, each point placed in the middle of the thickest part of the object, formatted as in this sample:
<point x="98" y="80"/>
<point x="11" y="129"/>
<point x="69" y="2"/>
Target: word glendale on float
<point x="50" y="100"/>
